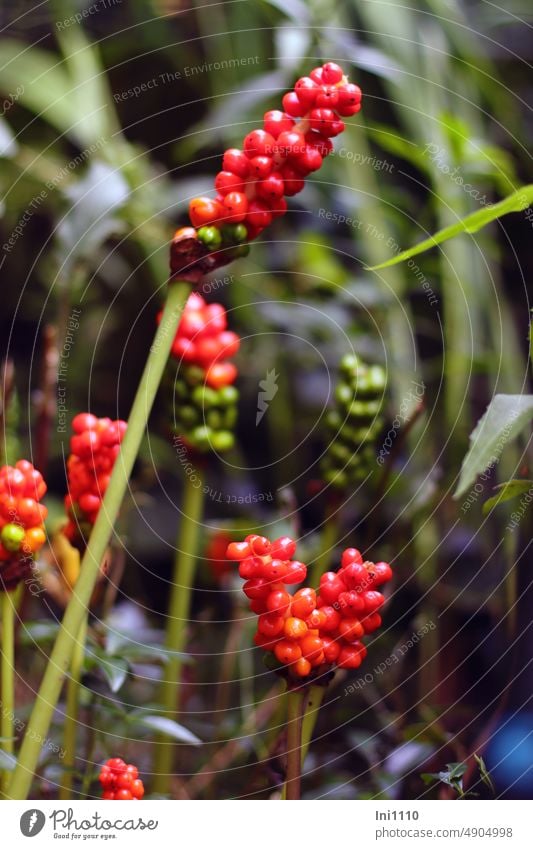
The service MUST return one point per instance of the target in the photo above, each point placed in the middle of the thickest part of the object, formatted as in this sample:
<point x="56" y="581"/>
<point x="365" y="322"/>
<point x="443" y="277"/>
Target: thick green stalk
<point x="328" y="540"/>
<point x="295" y="698"/>
<point x="178" y="616"/>
<point x="8" y="678"/>
<point x="71" y="713"/>
<point x="47" y="698"/>
<point x="313" y="700"/>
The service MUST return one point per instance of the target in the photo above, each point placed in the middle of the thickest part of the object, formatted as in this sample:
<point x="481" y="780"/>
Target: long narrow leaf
<point x="516" y="202"/>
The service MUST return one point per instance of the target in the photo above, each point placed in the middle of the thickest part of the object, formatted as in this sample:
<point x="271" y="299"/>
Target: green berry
<point x="12" y="536"/>
<point x="180" y="389"/>
<point x="229" y="418"/>
<point x="343" y="394"/>
<point x="211" y="237"/>
<point x="215" y="419"/>
<point x="227" y="395"/>
<point x="349" y="364"/>
<point x="201" y="437"/>
<point x="222" y="440"/>
<point x="194" y="375"/>
<point x="188" y="416"/>
<point x="204" y="397"/>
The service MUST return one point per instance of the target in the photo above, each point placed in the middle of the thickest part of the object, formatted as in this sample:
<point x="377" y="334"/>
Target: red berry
<point x="303" y="603"/>
<point x="306" y="90"/>
<point x="331" y="73"/>
<point x="279" y="601"/>
<point x="238" y="551"/>
<point x="296" y="573"/>
<point x="294" y="628"/>
<point x="290" y="143"/>
<point x="204" y="210"/>
<point x="327" y="97"/>
<point x="292" y="179"/>
<point x="287" y="651"/>
<point x="284" y="548"/>
<point x="309" y="159"/>
<point x="272" y="188"/>
<point x="259" y="214"/>
<point x="220" y="374"/>
<point x="235" y="207"/>
<point x="236" y="161"/>
<point x="292" y="105"/>
<point x="316" y="75"/>
<point x="351" y="555"/>
<point x="226" y="181"/>
<point x="261" y="166"/>
<point x="259" y="143"/>
<point x="276" y="122"/>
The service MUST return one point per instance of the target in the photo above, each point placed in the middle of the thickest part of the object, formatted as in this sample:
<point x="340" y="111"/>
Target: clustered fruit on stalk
<point x="94" y="446"/>
<point x="272" y="165"/>
<point x="310" y="631"/>
<point x="206" y="408"/>
<point x="21" y="521"/>
<point x="354" y="424"/>
<point x="120" y="781"/>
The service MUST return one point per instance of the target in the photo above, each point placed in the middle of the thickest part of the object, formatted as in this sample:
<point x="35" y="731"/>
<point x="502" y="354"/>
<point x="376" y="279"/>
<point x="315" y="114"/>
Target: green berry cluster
<point x="231" y="236"/>
<point x="355" y="423"/>
<point x="203" y="416"/>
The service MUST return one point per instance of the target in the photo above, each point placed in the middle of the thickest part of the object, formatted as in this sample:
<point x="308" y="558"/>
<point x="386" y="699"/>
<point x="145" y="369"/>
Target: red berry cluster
<point x="307" y="630"/>
<point x="275" y="160"/>
<point x="120" y="781"/>
<point x="350" y="600"/>
<point x="272" y="165"/>
<point x="21" y="519"/>
<point x="203" y="340"/>
<point x="95" y="445"/>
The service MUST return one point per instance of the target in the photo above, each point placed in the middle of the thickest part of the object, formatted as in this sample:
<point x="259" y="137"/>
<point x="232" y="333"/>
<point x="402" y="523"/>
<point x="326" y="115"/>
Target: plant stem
<point x="71" y="713"/>
<point x="8" y="678"/>
<point x="178" y="615"/>
<point x="328" y="541"/>
<point x="314" y="697"/>
<point x="295" y="699"/>
<point x="43" y="710"/>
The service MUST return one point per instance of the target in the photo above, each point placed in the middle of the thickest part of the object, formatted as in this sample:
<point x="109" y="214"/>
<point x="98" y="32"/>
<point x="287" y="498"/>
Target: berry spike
<point x="309" y="632"/>
<point x="22" y="516"/>
<point x="94" y="446"/>
<point x="120" y="781"/>
<point x="274" y="161"/>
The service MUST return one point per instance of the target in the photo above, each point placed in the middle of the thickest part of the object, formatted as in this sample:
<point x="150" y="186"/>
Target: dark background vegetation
<point x="446" y="76"/>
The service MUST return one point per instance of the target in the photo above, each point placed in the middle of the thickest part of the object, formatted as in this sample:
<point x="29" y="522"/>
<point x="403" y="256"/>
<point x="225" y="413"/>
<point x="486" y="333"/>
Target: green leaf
<point x="507" y="490"/>
<point x="7" y="761"/>
<point x="47" y="90"/>
<point x="504" y="418"/>
<point x="484" y="773"/>
<point x="452" y="776"/>
<point x="166" y="726"/>
<point x="516" y="202"/>
<point x="115" y="671"/>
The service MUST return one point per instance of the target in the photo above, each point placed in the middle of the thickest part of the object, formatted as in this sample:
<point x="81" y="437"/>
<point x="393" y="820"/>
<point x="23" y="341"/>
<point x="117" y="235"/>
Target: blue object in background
<point x="509" y="756"/>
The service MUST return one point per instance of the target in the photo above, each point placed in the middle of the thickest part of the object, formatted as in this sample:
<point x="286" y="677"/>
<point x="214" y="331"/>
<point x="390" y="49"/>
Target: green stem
<point x="295" y="699"/>
<point x="43" y="710"/>
<point x="71" y="714"/>
<point x="178" y="616"/>
<point x="313" y="700"/>
<point x="328" y="541"/>
<point x="8" y="678"/>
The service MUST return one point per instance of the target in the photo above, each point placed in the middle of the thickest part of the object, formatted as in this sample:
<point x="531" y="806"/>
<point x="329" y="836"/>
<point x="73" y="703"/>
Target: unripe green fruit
<point x="194" y="375"/>
<point x="215" y="419"/>
<point x="222" y="440"/>
<point x="201" y="437"/>
<point x="337" y="478"/>
<point x="343" y="394"/>
<point x="227" y="395"/>
<point x="188" y="415"/>
<point x="204" y="397"/>
<point x="181" y="390"/>
<point x="229" y="418"/>
<point x="340" y="452"/>
<point x="349" y="364"/>
<point x="12" y="536"/>
<point x="211" y="237"/>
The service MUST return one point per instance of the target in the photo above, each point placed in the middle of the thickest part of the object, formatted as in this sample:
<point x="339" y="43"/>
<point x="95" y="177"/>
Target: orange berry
<point x="295" y="628"/>
<point x="301" y="668"/>
<point x="34" y="539"/>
